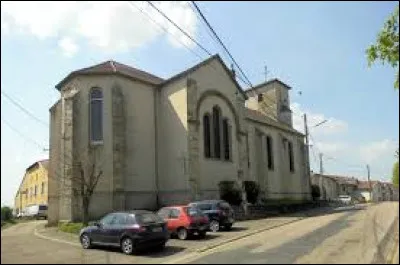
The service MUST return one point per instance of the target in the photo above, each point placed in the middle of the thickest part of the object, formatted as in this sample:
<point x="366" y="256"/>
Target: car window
<point x="194" y="211"/>
<point x="164" y="213"/>
<point x="42" y="207"/>
<point x="120" y="219"/>
<point x="204" y="207"/>
<point x="148" y="218"/>
<point x="174" y="214"/>
<point x="108" y="219"/>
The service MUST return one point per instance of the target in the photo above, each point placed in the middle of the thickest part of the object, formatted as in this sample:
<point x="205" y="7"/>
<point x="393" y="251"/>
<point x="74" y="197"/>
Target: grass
<point x="7" y="224"/>
<point x="72" y="228"/>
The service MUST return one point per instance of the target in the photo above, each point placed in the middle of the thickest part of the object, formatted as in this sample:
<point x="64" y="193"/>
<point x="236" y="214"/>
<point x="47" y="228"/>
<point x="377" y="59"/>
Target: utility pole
<point x="369" y="183"/>
<point x="321" y="166"/>
<point x="306" y="151"/>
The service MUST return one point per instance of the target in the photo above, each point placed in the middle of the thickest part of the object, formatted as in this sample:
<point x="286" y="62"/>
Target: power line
<point x="22" y="135"/>
<point x="164" y="29"/>
<point x="23" y="109"/>
<point x="180" y="29"/>
<point x="220" y="41"/>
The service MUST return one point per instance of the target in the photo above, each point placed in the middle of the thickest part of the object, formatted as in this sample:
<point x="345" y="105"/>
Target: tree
<point x="83" y="179"/>
<point x="395" y="177"/>
<point x="6" y="213"/>
<point x="386" y="48"/>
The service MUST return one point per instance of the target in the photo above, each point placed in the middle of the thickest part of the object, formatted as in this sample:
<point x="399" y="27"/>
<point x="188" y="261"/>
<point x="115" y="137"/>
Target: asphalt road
<point x="347" y="235"/>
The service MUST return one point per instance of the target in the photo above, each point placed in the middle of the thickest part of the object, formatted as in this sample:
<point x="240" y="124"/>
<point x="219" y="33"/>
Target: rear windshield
<point x="224" y="206"/>
<point x="194" y="211"/>
<point x="148" y="218"/>
<point x="204" y="206"/>
<point x="42" y="207"/>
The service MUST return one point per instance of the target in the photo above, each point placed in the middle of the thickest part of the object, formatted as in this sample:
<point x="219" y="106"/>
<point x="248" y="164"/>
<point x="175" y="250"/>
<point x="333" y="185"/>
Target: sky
<point x="318" y="48"/>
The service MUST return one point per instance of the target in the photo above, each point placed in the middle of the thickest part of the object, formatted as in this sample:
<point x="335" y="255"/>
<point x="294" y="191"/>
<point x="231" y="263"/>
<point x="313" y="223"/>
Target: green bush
<point x="6" y="213"/>
<point x="230" y="193"/>
<point x="252" y="191"/>
<point x="73" y="228"/>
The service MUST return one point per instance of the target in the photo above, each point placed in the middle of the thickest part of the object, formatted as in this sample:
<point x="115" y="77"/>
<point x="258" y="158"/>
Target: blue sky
<point x="316" y="47"/>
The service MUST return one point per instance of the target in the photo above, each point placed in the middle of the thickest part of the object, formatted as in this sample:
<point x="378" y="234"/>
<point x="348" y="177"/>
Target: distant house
<point x="33" y="188"/>
<point x="347" y="185"/>
<point x="328" y="185"/>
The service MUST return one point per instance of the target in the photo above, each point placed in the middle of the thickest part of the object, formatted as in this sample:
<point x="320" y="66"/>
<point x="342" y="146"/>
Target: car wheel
<point x="202" y="234"/>
<point x="182" y="233"/>
<point x="228" y="227"/>
<point x="214" y="226"/>
<point x="127" y="246"/>
<point x="85" y="241"/>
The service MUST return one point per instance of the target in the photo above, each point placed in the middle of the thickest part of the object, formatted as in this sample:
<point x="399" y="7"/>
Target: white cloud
<point x="375" y="151"/>
<point x="110" y="26"/>
<point x="332" y="126"/>
<point x="68" y="46"/>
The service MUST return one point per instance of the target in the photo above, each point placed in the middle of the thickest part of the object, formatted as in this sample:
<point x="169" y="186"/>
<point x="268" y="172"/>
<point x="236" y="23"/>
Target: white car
<point x="345" y="199"/>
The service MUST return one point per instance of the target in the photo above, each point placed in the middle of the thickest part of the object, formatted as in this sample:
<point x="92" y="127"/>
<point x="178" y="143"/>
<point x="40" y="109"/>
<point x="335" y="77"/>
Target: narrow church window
<point x="226" y="139"/>
<point x="291" y="162"/>
<point x="206" y="134"/>
<point x="270" y="153"/>
<point x="96" y="115"/>
<point x="260" y="97"/>
<point x="216" y="131"/>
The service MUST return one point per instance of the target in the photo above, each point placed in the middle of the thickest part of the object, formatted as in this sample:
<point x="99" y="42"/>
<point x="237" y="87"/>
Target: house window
<point x="96" y="115"/>
<point x="42" y="187"/>
<point x="291" y="162"/>
<point x="217" y="132"/>
<point x="270" y="153"/>
<point x="206" y="135"/>
<point x="260" y="97"/>
<point x="35" y="191"/>
<point x="226" y="139"/>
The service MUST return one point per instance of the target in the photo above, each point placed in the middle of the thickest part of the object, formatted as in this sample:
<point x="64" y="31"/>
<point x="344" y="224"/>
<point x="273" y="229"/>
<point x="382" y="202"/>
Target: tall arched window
<point x="96" y="115"/>
<point x="216" y="131"/>
<point x="206" y="135"/>
<point x="226" y="139"/>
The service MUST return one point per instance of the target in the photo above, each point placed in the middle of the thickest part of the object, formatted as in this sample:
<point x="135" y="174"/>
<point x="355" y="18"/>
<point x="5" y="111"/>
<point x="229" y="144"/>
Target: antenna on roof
<point x="266" y="73"/>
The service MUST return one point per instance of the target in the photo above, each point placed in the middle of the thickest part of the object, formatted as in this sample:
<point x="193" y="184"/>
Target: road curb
<point x="37" y="234"/>
<point x="204" y="249"/>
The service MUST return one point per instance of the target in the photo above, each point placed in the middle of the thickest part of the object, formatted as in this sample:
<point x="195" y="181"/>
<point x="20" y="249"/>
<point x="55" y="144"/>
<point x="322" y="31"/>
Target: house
<point x="33" y="189"/>
<point x="347" y="185"/>
<point x="328" y="186"/>
<point x="165" y="141"/>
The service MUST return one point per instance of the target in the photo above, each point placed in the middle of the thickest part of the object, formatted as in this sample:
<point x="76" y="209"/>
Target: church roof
<point x="112" y="67"/>
<point x="266" y="83"/>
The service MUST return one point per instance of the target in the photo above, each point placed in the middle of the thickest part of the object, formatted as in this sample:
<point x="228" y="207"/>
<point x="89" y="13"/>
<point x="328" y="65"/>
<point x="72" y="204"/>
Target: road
<point x="348" y="235"/>
<point x="338" y="236"/>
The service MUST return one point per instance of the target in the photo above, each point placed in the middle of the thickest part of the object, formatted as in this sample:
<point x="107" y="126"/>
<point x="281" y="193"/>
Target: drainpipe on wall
<point x="156" y="101"/>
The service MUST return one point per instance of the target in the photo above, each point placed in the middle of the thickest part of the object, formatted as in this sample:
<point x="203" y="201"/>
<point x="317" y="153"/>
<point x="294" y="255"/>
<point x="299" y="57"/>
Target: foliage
<point x="395" y="177"/>
<point x="73" y="228"/>
<point x="230" y="192"/>
<point x="386" y="48"/>
<point x="315" y="192"/>
<point x="6" y="213"/>
<point x="252" y="191"/>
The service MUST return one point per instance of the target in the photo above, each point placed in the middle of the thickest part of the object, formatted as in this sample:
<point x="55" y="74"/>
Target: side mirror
<point x="98" y="224"/>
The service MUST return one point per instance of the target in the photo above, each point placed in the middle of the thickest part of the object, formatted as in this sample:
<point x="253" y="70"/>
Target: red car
<point x="184" y="221"/>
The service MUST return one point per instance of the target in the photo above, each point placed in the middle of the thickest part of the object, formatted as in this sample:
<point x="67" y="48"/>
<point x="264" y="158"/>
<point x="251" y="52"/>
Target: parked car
<point x="184" y="221"/>
<point x="36" y="211"/>
<point x="131" y="231"/>
<point x="219" y="212"/>
<point x="345" y="199"/>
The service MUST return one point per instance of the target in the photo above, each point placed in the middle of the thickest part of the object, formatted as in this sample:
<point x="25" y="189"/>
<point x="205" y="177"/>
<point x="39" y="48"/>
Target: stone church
<point x="169" y="141"/>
